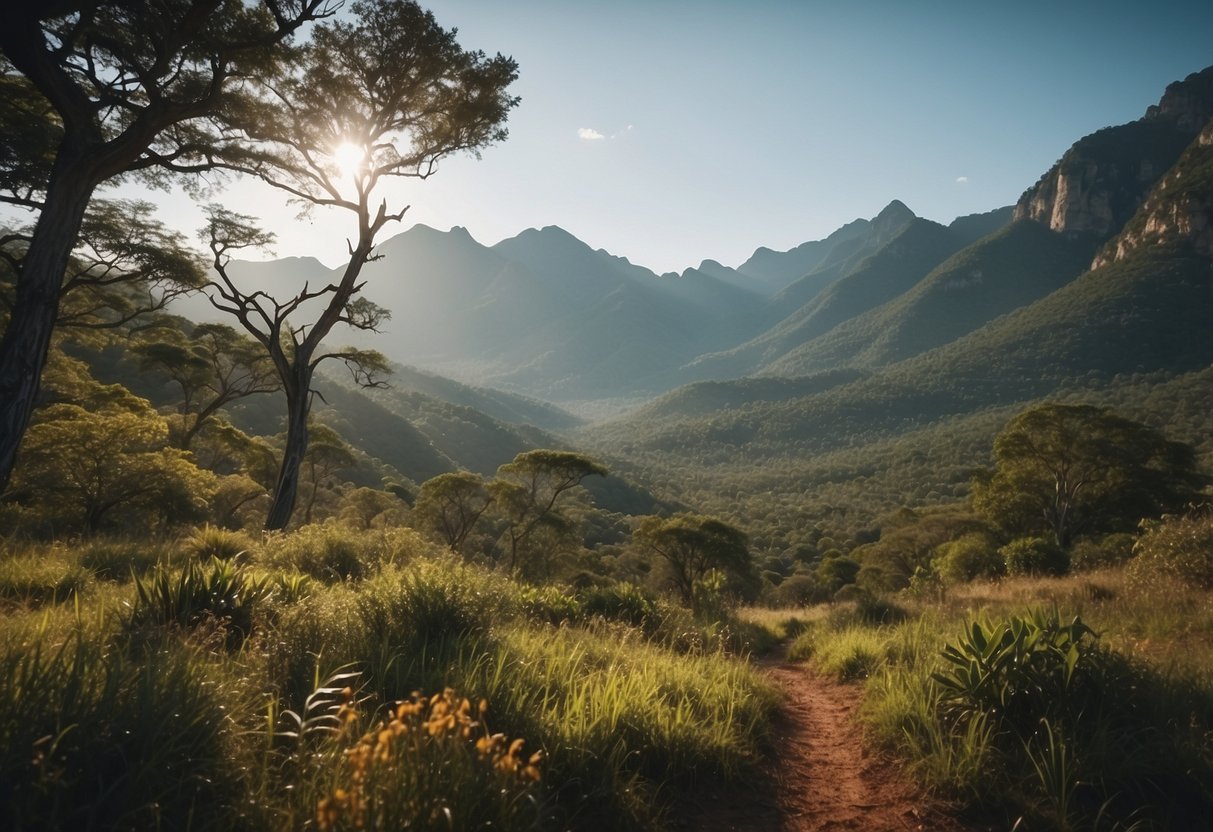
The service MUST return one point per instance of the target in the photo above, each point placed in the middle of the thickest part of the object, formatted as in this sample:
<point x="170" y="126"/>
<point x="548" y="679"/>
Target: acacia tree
<point x="95" y="89"/>
<point x="1073" y="469"/>
<point x="213" y="366"/>
<point x="692" y="545"/>
<point x="392" y="88"/>
<point x="449" y="506"/>
<point x="527" y="494"/>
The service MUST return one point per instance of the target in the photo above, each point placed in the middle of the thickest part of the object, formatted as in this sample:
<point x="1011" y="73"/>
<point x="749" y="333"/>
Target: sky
<point x="672" y="131"/>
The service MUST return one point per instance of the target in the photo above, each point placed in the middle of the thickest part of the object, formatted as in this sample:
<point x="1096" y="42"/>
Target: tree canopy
<point x="381" y="94"/>
<point x="1068" y="470"/>
<point x="692" y="545"/>
<point x="94" y="90"/>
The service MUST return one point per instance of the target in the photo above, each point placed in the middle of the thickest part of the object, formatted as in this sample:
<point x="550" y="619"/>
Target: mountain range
<point x="1100" y="274"/>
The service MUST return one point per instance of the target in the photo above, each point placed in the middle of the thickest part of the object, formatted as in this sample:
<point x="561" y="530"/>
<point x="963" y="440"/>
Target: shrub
<point x="431" y="763"/>
<point x="1110" y="550"/>
<point x="620" y="602"/>
<point x="214" y="542"/>
<point x="1180" y="548"/>
<point x="550" y="604"/>
<point x="799" y="591"/>
<point x="968" y="558"/>
<point x="221" y="591"/>
<point x="1035" y="556"/>
<point x="1084" y="735"/>
<point x="326" y="552"/>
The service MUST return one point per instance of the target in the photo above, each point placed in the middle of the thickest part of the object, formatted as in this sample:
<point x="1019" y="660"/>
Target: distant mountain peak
<point x="895" y="211"/>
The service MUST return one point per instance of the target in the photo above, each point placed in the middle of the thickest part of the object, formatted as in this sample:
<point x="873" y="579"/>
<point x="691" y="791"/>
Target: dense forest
<point x="269" y="562"/>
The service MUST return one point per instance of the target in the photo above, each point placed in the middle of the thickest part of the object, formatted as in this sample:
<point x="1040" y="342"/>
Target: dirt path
<point x="821" y="778"/>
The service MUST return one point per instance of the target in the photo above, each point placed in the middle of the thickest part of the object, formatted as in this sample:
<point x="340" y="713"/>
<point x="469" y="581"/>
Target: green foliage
<point x="93" y="739"/>
<point x="969" y="558"/>
<point x="1176" y="548"/>
<point x="1110" y="550"/>
<point x="527" y="496"/>
<point x="449" y="506"/>
<point x="1058" y="709"/>
<point x="330" y="552"/>
<point x="116" y="559"/>
<point x="213" y="542"/>
<point x="1034" y="556"/>
<point x="37" y="579"/>
<point x="1068" y="469"/>
<point x="221" y="591"/>
<point x="691" y="547"/>
<point x="87" y="469"/>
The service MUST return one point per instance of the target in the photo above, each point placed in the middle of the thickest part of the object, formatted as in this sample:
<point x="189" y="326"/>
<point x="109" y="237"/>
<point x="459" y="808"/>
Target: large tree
<point x="528" y="494"/>
<point x="125" y="265"/>
<point x="691" y="546"/>
<point x="1068" y="470"/>
<point x="449" y="505"/>
<point x="95" y="89"/>
<point x="383" y="93"/>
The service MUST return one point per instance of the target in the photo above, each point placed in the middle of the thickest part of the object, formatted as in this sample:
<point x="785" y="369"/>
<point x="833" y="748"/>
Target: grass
<point x="212" y="694"/>
<point x="1110" y="734"/>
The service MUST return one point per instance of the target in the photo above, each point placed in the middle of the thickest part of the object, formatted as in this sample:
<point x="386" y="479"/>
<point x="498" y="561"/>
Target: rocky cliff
<point x="1102" y="180"/>
<point x="1178" y="210"/>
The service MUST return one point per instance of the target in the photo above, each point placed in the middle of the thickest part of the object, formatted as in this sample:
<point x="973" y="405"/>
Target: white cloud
<point x="962" y="180"/>
<point x="589" y="134"/>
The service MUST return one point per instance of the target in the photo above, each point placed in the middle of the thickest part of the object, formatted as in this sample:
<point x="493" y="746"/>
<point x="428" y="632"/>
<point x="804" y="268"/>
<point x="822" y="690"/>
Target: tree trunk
<point x="26" y="342"/>
<point x="298" y="401"/>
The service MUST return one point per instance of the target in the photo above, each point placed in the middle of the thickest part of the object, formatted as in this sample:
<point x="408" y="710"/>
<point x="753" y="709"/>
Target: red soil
<point x="822" y="776"/>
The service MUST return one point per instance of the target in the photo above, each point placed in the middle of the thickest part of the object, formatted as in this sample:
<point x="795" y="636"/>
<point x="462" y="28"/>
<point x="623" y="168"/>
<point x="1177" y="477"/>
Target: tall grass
<point x="1030" y="716"/>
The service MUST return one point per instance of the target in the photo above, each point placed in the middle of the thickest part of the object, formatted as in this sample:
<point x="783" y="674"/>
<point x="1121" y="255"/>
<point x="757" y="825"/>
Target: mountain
<point x="769" y="271"/>
<point x="1008" y="269"/>
<point x="1101" y="181"/>
<point x="905" y="258"/>
<point x="1070" y="302"/>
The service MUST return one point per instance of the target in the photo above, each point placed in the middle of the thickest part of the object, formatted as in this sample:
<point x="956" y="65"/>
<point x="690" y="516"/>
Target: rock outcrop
<point x="1102" y="180"/>
<point x="1178" y="210"/>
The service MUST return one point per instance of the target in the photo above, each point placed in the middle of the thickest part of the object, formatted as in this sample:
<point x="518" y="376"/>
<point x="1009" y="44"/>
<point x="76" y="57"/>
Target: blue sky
<point x="669" y="132"/>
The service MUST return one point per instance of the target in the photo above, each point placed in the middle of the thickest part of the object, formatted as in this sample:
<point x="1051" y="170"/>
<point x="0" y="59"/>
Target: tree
<point x="385" y="94"/>
<point x="448" y="506"/>
<point x="213" y="365"/>
<point x="89" y="465"/>
<point x="94" y="90"/>
<point x="125" y="265"/>
<point x="327" y="454"/>
<point x="527" y="494"/>
<point x="692" y="545"/>
<point x="1076" y="469"/>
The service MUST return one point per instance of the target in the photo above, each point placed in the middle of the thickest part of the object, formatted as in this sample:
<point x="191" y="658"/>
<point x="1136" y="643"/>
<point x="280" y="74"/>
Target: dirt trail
<point x="821" y="777"/>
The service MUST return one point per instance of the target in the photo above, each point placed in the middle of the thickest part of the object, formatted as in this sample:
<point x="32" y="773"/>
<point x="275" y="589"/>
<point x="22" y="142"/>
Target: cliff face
<point x="1101" y="181"/>
<point x="1178" y="210"/>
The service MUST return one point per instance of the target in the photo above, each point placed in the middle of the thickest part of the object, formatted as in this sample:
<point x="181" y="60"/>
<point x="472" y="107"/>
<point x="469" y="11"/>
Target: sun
<point x="350" y="158"/>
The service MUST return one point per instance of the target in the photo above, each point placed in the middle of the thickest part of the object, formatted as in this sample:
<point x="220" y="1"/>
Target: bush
<point x="969" y="558"/>
<point x="214" y="542"/>
<point x="799" y="591"/>
<point x="1111" y="550"/>
<point x="223" y="592"/>
<point x="1035" y="556"/>
<point x="1084" y="735"/>
<point x="620" y="602"/>
<point x="1179" y="548"/>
